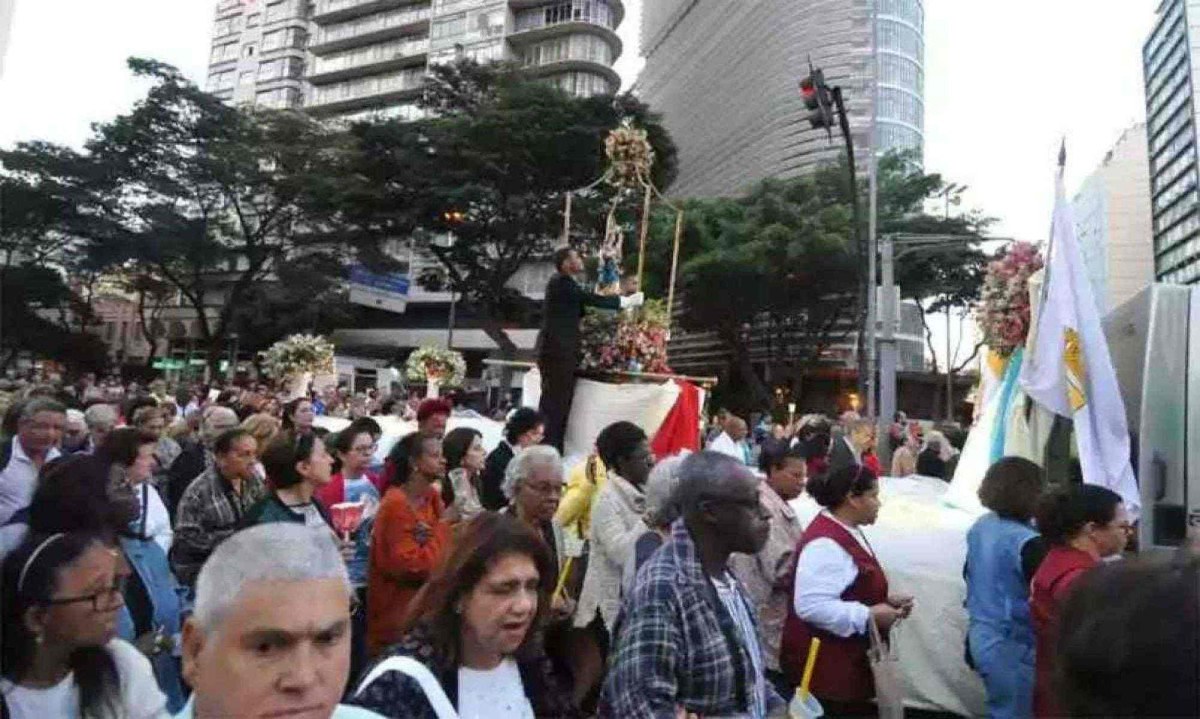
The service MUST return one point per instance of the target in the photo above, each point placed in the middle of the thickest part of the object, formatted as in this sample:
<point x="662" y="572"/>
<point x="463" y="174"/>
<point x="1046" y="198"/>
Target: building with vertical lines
<point x="724" y="75"/>
<point x="1167" y="59"/>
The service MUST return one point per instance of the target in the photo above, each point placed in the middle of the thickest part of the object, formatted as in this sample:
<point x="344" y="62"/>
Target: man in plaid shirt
<point x="213" y="504"/>
<point x="687" y="638"/>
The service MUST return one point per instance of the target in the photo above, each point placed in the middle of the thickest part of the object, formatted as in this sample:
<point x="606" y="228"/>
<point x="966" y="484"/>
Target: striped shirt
<point x="732" y="598"/>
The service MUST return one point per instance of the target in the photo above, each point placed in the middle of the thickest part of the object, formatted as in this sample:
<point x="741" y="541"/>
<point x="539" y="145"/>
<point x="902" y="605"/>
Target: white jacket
<point x="616" y="525"/>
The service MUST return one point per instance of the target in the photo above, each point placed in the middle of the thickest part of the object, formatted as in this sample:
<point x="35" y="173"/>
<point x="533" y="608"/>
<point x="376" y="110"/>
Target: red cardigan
<point x="1050" y="586"/>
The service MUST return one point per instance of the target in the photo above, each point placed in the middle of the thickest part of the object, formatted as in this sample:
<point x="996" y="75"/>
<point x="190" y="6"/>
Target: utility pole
<point x="823" y="102"/>
<point x="872" y="220"/>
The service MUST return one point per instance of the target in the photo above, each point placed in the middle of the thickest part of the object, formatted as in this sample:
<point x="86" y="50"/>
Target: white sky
<point x="1005" y="82"/>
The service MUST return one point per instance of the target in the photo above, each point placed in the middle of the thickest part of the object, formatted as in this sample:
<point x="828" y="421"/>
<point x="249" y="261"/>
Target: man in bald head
<point x="732" y="441"/>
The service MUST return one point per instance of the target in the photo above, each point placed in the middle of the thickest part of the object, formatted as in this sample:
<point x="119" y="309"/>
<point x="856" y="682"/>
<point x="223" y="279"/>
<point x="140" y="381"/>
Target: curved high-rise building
<point x="725" y="77"/>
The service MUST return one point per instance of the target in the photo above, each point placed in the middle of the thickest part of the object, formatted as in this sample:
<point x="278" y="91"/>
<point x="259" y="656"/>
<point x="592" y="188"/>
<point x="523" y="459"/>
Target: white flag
<point x="1070" y="371"/>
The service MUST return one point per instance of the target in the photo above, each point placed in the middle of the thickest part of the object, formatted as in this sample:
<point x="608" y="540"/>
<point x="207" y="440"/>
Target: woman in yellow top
<point x="583" y="484"/>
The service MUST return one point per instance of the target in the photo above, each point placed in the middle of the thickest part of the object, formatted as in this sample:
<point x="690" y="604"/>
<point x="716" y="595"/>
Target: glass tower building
<point x="1168" y="62"/>
<point x="725" y="77"/>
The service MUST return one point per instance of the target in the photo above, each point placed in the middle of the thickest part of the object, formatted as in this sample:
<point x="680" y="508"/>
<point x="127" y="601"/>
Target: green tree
<point x="780" y="266"/>
<point x="208" y="198"/>
<point x="492" y="164"/>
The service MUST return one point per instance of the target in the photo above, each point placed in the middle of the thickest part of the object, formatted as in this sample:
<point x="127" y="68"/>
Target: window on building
<point x="449" y="28"/>
<point x="226" y="51"/>
<point x="246" y="77"/>
<point x="248" y="50"/>
<point x="253" y="19"/>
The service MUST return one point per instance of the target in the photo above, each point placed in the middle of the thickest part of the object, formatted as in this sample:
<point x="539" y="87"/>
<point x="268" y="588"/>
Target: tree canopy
<point x="779" y="266"/>
<point x="492" y="164"/>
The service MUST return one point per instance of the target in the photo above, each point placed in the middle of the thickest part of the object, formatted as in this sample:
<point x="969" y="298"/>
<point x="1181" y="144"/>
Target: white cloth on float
<point x="921" y="542"/>
<point x="598" y="404"/>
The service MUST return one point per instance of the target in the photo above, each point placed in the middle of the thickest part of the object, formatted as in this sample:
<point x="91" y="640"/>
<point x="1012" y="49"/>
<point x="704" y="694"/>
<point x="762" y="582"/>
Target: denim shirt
<point x="148" y="560"/>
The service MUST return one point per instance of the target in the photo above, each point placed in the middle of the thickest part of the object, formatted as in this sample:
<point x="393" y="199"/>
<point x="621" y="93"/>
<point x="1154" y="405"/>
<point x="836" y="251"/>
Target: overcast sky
<point x="1005" y="81"/>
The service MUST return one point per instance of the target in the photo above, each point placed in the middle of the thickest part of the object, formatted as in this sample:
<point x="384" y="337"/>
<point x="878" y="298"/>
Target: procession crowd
<point x="223" y="557"/>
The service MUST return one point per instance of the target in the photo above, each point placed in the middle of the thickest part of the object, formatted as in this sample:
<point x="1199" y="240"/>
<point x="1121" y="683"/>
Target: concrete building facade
<point x="349" y="58"/>
<point x="725" y="77"/>
<point x="1167" y="59"/>
<point x="1113" y="224"/>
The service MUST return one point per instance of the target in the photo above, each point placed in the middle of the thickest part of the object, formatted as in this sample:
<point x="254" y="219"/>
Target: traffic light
<point x="817" y="100"/>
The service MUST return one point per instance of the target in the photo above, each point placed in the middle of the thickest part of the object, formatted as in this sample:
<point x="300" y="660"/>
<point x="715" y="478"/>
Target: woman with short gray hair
<point x="533" y="484"/>
<point x="662" y="510"/>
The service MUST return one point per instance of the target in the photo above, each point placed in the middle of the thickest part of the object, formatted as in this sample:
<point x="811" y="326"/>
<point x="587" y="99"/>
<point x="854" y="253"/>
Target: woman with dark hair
<point x="129" y="453"/>
<point x="298" y="416"/>
<point x="61" y="658"/>
<point x="469" y="644"/>
<point x="93" y="494"/>
<point x="1129" y="641"/>
<point x="839" y="589"/>
<point x="296" y="467"/>
<point x="465" y="458"/>
<point x="1082" y="524"/>
<point x="1003" y="553"/>
<point x="408" y="537"/>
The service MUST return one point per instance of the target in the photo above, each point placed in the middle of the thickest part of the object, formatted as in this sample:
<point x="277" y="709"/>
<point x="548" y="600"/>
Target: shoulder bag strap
<point x="420" y="673"/>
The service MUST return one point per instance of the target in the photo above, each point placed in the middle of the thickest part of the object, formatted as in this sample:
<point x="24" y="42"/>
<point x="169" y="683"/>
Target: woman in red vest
<point x="839" y="587"/>
<point x="1082" y="524"/>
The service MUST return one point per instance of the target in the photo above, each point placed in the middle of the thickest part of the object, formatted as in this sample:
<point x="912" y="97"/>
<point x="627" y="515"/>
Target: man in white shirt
<point x="732" y="442"/>
<point x="39" y="431"/>
<point x="270" y="634"/>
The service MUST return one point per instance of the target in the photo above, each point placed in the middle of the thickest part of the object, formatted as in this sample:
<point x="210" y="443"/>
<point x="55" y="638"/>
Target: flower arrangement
<point x="1004" y="315"/>
<point x="630" y="156"/>
<point x="634" y="341"/>
<point x="297" y="355"/>
<point x="444" y="367"/>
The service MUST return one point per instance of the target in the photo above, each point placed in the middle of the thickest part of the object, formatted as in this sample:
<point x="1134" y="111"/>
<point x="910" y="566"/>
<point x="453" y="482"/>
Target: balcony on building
<point x="409" y="19"/>
<point x="372" y="59"/>
<point x="534" y="21"/>
<point x="371" y="91"/>
<point x="326" y="12"/>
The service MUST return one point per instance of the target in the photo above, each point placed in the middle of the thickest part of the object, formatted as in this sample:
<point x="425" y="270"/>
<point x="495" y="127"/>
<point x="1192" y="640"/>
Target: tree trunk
<point x="508" y="351"/>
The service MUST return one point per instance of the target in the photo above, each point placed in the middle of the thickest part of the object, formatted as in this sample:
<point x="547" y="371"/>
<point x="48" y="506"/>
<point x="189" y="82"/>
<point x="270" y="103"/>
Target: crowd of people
<point x="167" y="560"/>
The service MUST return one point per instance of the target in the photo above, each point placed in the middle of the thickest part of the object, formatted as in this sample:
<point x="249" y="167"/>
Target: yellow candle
<point x="809" y="665"/>
<point x="562" y="577"/>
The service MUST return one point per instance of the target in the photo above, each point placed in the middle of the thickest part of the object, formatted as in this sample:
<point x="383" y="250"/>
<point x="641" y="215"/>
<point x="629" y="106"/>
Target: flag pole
<point x="1043" y="291"/>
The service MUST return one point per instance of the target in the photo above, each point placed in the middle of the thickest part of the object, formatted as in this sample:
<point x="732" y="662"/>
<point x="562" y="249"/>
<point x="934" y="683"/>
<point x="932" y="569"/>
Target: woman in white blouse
<point x="840" y="589"/>
<point x="61" y="597"/>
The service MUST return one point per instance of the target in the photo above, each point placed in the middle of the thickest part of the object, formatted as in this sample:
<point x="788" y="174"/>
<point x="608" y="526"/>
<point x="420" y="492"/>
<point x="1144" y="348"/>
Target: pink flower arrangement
<point x="633" y="341"/>
<point x="1004" y="314"/>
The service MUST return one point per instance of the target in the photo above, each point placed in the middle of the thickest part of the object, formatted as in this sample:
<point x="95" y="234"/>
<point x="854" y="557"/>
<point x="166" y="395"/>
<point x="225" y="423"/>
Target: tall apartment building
<point x="725" y="77"/>
<point x="1171" y="110"/>
<point x="346" y="58"/>
<point x="1112" y="221"/>
<point x="7" y="8"/>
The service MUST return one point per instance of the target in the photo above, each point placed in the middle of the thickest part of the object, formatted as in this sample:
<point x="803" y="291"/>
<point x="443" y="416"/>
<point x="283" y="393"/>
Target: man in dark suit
<point x="558" y="342"/>
<point x="847" y="450"/>
<point x="525" y="428"/>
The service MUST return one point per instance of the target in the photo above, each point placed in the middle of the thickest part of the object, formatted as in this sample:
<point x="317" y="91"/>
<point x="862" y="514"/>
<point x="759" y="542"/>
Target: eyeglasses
<point x="104" y="600"/>
<point x="545" y="488"/>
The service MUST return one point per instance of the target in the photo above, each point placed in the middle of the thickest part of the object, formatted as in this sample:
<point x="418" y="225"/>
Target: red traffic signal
<point x="817" y="99"/>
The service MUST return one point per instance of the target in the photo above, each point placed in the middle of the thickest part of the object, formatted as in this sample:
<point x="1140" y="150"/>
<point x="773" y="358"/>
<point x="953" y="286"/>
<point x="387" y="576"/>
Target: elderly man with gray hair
<point x="688" y="640"/>
<point x="40" y="424"/>
<point x="101" y="418"/>
<point x="270" y="634"/>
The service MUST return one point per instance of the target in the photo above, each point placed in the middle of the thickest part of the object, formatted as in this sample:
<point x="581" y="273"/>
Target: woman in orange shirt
<point x="408" y="538"/>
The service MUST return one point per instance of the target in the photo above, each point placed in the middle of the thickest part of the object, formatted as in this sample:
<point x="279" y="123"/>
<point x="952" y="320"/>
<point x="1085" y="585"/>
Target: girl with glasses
<point x="61" y="598"/>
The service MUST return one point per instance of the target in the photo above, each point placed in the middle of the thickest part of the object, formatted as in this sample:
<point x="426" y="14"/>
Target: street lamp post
<point x="910" y="245"/>
<point x="452" y="218"/>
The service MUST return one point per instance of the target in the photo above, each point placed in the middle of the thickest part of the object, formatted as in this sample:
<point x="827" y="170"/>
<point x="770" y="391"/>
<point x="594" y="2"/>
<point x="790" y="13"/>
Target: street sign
<point x="386" y="292"/>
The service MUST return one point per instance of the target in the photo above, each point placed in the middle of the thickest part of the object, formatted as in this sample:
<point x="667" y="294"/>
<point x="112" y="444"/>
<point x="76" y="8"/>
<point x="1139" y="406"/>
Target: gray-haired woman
<point x="661" y="512"/>
<point x="533" y="484"/>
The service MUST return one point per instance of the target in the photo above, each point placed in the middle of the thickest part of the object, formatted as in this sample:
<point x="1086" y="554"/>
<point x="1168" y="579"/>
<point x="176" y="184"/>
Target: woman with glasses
<point x="465" y="459"/>
<point x="1082" y="524"/>
<point x="533" y="484"/>
<point x="62" y="594"/>
<point x="408" y="538"/>
<point x="297" y="466"/>
<point x="838" y="591"/>
<point x="99" y="495"/>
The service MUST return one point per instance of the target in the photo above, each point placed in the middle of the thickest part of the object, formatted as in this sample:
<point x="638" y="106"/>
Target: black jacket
<point x="493" y="477"/>
<point x="561" y="311"/>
